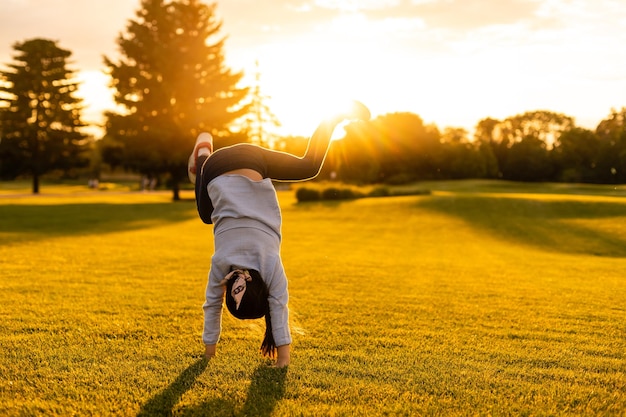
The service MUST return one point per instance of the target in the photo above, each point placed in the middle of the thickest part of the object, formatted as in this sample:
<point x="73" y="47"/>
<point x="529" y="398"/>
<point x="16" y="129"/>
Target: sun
<point x="307" y="82"/>
<point x="97" y="98"/>
<point x="312" y="74"/>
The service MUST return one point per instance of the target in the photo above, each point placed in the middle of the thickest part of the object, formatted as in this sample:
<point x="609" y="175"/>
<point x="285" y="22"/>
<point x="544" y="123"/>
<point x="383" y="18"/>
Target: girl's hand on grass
<point x="209" y="351"/>
<point x="283" y="356"/>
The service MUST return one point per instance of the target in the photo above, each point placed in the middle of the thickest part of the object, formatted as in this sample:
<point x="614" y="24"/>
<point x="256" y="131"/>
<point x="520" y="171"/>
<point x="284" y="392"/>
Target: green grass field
<point x="483" y="298"/>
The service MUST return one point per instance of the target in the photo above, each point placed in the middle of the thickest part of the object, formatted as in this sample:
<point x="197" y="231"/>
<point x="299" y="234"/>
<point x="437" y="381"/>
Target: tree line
<point x="534" y="146"/>
<point x="171" y="83"/>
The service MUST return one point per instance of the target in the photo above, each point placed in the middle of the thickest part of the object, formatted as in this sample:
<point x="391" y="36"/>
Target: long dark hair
<point x="254" y="305"/>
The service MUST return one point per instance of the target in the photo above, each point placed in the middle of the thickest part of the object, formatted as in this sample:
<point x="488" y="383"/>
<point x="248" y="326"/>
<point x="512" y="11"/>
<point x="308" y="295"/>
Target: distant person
<point x="234" y="192"/>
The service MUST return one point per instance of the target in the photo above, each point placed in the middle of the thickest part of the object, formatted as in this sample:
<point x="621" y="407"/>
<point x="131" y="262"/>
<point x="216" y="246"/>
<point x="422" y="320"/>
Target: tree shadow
<point x="552" y="225"/>
<point x="23" y="223"/>
<point x="163" y="403"/>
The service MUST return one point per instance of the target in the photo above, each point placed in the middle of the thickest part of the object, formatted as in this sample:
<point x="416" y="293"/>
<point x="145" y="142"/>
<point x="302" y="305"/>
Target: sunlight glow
<point x="97" y="98"/>
<point x="308" y="77"/>
<point x="340" y="131"/>
<point x="451" y="63"/>
<point x="355" y="5"/>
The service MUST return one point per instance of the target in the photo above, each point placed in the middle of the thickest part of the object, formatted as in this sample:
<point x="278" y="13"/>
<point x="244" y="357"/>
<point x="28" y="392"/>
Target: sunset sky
<point x="453" y="62"/>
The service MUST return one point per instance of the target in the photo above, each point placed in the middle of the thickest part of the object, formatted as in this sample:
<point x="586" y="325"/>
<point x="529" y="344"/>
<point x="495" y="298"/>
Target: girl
<point x="234" y="192"/>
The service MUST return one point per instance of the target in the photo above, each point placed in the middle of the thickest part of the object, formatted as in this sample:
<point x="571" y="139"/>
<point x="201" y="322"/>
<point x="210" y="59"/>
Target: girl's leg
<point x="203" y="146"/>
<point x="200" y="163"/>
<point x="201" y="152"/>
<point x="203" y="202"/>
<point x="286" y="167"/>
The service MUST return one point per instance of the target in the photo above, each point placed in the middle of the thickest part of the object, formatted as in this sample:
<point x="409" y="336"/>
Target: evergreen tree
<point x="261" y="120"/>
<point x="172" y="83"/>
<point x="39" y="116"/>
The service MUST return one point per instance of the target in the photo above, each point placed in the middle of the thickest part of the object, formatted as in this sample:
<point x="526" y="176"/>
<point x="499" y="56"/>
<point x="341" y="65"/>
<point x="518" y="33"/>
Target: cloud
<point x="459" y="14"/>
<point x="356" y="5"/>
<point x="428" y="25"/>
<point x="87" y="28"/>
<point x="269" y="20"/>
<point x="515" y="55"/>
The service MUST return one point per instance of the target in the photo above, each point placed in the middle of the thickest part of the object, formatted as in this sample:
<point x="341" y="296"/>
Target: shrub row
<point x="305" y="194"/>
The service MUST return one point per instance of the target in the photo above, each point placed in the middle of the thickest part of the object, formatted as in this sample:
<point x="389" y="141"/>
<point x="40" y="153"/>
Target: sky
<point x="452" y="62"/>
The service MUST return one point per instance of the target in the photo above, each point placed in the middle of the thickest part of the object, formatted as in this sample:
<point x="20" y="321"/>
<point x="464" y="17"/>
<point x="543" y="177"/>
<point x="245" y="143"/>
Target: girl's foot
<point x="358" y="111"/>
<point x="203" y="146"/>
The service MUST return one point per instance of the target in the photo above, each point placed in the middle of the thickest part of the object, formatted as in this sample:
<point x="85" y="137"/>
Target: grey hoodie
<point x="247" y="229"/>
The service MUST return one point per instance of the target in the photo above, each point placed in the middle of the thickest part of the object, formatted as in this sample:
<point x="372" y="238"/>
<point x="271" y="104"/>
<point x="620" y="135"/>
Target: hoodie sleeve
<point x="213" y="310"/>
<point x="278" y="299"/>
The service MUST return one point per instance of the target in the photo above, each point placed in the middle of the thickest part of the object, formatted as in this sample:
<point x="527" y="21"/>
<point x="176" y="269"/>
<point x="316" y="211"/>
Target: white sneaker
<point x="204" y="141"/>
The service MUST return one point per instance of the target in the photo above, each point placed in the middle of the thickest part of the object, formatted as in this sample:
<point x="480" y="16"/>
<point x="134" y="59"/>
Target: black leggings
<point x="272" y="164"/>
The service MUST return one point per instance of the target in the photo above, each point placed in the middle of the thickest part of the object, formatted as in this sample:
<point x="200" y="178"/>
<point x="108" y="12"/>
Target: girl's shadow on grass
<point x="267" y="387"/>
<point x="163" y="403"/>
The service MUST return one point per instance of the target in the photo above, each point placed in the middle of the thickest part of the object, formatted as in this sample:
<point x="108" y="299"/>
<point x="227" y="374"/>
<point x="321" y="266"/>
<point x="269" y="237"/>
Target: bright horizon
<point x="452" y="62"/>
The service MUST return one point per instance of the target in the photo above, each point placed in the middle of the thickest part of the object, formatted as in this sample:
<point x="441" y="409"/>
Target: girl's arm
<point x="283" y="356"/>
<point x="209" y="351"/>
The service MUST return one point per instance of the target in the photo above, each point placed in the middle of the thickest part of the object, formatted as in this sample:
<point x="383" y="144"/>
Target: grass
<point x="483" y="298"/>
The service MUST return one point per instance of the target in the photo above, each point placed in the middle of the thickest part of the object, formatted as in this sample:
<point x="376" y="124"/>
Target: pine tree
<point x="40" y="118"/>
<point x="261" y="122"/>
<point x="173" y="83"/>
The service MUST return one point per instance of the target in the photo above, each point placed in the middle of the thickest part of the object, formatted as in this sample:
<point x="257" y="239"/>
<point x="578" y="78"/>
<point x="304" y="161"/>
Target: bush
<point x="379" y="192"/>
<point x="331" y="193"/>
<point x="307" y="194"/>
<point x="400" y="179"/>
<point x="335" y="193"/>
<point x="340" y="194"/>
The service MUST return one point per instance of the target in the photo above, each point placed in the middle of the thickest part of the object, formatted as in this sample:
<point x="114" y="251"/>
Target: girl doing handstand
<point x="234" y="192"/>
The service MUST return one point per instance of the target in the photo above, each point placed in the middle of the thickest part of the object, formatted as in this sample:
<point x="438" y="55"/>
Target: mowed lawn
<point x="479" y="299"/>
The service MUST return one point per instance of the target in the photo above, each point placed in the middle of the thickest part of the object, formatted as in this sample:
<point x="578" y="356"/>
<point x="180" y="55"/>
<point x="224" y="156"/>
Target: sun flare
<point x="308" y="80"/>
<point x="97" y="98"/>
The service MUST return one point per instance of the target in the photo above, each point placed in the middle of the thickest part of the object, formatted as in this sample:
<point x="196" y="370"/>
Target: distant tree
<point x="172" y="83"/>
<point x="261" y="123"/>
<point x="531" y="135"/>
<point x="460" y="158"/>
<point x="545" y="126"/>
<point x="454" y="135"/>
<point x="611" y="133"/>
<point x="358" y="156"/>
<point x="576" y="155"/>
<point x="39" y="116"/>
<point x="396" y="147"/>
<point x="529" y="160"/>
<point x="484" y="137"/>
<point x="484" y="131"/>
<point x="411" y="148"/>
